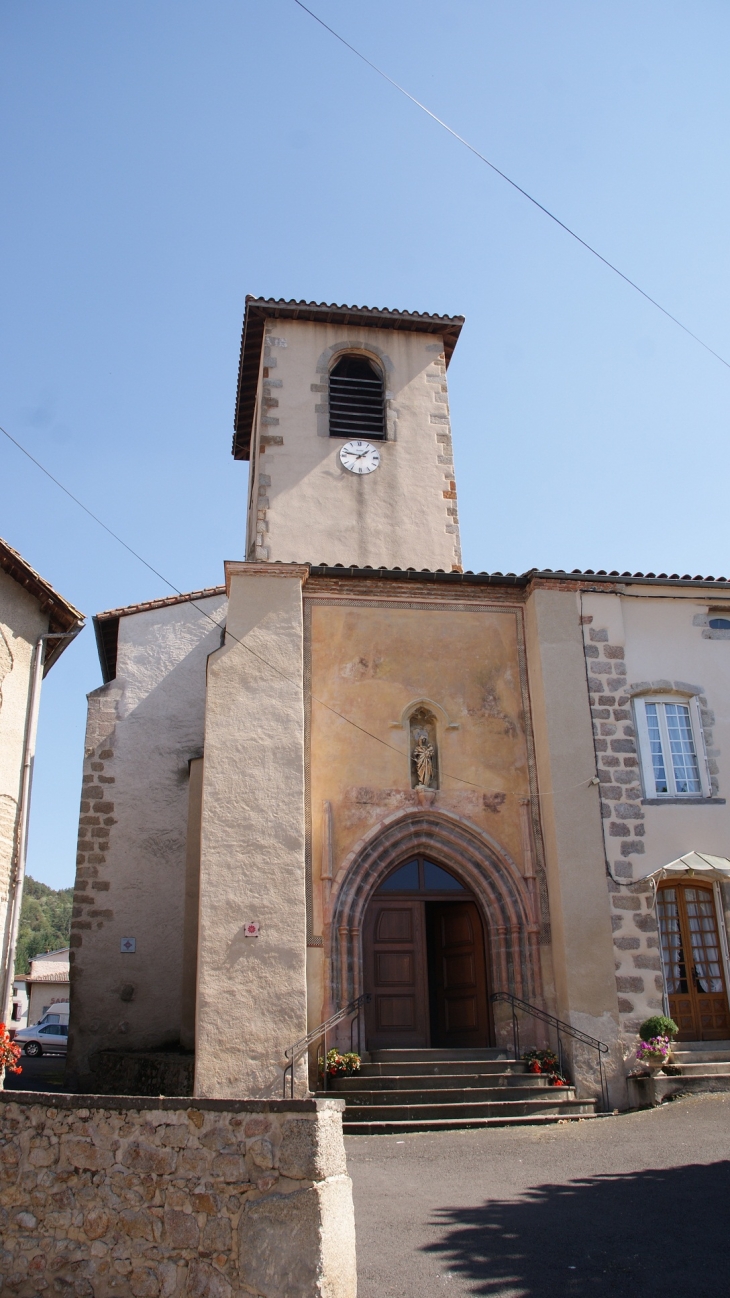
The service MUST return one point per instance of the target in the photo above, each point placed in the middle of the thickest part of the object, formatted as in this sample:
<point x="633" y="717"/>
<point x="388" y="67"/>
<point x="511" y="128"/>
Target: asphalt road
<point x="632" y="1205"/>
<point x="44" y="1074"/>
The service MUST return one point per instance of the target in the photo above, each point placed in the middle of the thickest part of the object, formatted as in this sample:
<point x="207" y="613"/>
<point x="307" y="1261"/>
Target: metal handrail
<point x="562" y="1029"/>
<point x="295" y="1052"/>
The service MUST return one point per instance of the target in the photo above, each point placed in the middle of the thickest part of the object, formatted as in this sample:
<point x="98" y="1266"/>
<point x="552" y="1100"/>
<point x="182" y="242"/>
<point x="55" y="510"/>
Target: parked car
<point x="49" y="1036"/>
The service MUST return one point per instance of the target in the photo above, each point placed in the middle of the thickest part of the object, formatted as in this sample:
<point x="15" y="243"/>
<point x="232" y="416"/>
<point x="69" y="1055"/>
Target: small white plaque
<point x="251" y="930"/>
<point x="128" y="945"/>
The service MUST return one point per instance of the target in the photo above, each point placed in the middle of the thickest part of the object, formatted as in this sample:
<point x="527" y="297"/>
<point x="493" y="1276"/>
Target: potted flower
<point x="9" y="1054"/>
<point x="654" y="1053"/>
<point x="339" y="1064"/>
<point x="655" y="1046"/>
<point x="545" y="1061"/>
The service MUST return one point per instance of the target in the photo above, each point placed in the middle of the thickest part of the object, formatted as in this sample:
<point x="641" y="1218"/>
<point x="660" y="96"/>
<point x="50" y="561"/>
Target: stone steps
<point x="708" y="1069"/>
<point x="441" y="1082"/>
<point x="473" y="1095"/>
<point x="696" y="1067"/>
<point x="436" y="1056"/>
<point x="403" y="1127"/>
<point x="427" y="1068"/>
<point x="432" y="1090"/>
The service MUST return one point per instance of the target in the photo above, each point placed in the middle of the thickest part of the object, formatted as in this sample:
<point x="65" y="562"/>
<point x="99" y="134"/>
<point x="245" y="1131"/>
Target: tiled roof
<point x="166" y="602"/>
<point x="260" y="309"/>
<point x="106" y="624"/>
<point x="62" y="616"/>
<point x="514" y="578"/>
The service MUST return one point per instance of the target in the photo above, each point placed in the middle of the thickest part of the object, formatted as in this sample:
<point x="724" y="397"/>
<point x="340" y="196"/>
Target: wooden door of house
<point x="395" y="974"/>
<point x="457" y="976"/>
<point x="693" y="967"/>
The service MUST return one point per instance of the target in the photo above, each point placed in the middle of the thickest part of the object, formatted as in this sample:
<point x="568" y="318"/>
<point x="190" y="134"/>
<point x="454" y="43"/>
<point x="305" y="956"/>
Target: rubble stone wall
<point x="125" y="1197"/>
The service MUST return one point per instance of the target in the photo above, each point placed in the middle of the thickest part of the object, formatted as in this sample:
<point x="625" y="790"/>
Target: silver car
<point x="47" y="1037"/>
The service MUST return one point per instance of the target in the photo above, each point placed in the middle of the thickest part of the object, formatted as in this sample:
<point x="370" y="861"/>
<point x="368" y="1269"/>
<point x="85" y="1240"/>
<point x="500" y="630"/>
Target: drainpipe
<point x="21" y="851"/>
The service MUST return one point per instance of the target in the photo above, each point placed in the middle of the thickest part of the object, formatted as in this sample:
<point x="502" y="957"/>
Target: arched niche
<point x="423" y="749"/>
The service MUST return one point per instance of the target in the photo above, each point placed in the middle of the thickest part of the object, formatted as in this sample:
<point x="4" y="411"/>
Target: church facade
<point x="354" y="769"/>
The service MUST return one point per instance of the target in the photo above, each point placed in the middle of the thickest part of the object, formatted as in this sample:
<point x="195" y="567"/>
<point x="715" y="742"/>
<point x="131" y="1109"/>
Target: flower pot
<point x="654" y="1063"/>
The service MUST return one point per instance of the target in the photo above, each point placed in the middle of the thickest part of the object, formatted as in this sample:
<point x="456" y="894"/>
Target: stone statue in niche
<point x="424" y="750"/>
<point x="423" y="755"/>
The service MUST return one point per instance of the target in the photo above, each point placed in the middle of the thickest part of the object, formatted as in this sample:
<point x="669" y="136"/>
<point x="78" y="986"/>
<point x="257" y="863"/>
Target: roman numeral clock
<point x="359" y="457"/>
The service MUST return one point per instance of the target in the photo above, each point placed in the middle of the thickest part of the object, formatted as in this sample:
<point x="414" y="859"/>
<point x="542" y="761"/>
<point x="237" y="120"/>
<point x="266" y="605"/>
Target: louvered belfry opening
<point x="357" y="399"/>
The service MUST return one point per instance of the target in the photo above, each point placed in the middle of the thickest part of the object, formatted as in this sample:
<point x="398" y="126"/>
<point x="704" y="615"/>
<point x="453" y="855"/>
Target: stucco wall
<point x="375" y="654"/>
<point x="152" y="1199"/>
<point x="570" y="808"/>
<point x="143" y="729"/>
<point x="21" y="623"/>
<point x="252" y="990"/>
<point x="660" y="637"/>
<point x="304" y="507"/>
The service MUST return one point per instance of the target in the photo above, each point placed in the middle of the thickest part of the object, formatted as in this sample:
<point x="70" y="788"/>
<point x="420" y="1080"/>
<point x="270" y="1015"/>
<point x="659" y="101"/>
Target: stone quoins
<point x="663" y="686"/>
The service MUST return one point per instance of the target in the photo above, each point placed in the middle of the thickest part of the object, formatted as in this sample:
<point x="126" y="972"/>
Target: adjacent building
<point x="34" y="619"/>
<point x="354" y="768"/>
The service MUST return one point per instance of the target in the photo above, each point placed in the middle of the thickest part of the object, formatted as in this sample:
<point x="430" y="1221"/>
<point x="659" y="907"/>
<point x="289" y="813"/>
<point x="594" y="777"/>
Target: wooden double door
<point x="426" y="975"/>
<point x="693" y="965"/>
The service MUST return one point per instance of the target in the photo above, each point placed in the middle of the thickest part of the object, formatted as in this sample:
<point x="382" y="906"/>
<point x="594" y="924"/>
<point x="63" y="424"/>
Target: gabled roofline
<point x="259" y="309"/>
<point x="62" y="616"/>
<point x="106" y="624"/>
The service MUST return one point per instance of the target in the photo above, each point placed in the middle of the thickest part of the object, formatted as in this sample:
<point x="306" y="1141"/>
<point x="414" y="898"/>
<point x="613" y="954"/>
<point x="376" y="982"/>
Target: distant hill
<point x="45" y="921"/>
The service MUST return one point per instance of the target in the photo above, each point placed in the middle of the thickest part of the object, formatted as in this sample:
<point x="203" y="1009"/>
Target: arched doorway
<point x="424" y="962"/>
<point x="693" y="966"/>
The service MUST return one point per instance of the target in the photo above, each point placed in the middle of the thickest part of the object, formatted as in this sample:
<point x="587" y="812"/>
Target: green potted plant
<point x="655" y="1046"/>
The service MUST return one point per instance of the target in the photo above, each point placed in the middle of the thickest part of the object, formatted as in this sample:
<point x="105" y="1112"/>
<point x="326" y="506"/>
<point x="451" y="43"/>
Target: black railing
<point x="561" y="1029"/>
<point x="295" y="1052"/>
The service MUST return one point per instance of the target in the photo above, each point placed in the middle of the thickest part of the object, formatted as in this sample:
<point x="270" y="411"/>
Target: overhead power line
<point x="229" y="634"/>
<point x="589" y="248"/>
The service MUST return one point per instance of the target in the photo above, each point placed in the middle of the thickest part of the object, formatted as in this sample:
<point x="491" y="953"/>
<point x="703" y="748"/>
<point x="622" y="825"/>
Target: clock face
<point x="359" y="457"/>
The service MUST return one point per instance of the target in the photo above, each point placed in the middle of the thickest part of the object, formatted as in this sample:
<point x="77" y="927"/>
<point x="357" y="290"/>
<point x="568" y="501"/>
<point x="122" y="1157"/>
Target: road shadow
<point x="648" y="1233"/>
<point x="46" y="1073"/>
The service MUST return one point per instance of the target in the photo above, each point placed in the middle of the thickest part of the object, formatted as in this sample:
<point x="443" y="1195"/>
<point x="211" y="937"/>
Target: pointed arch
<point x="507" y="901"/>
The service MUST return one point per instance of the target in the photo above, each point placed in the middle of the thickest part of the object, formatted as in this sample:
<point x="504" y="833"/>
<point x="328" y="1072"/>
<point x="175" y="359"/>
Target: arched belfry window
<point x="357" y="399"/>
<point x="423" y="750"/>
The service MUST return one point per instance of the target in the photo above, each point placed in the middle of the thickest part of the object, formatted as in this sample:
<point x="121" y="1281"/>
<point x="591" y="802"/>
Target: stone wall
<point x="635" y="934"/>
<point x="117" y="1197"/>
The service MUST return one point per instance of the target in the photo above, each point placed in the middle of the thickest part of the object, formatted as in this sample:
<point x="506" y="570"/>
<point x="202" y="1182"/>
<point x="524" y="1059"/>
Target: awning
<point x="693" y="864"/>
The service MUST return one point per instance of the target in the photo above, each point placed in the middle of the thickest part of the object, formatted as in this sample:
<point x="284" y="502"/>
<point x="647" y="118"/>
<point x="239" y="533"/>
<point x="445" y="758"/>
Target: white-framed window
<point x="671" y="746"/>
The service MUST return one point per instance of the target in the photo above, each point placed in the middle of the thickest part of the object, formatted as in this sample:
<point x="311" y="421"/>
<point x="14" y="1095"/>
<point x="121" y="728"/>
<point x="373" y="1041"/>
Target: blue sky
<point x="161" y="161"/>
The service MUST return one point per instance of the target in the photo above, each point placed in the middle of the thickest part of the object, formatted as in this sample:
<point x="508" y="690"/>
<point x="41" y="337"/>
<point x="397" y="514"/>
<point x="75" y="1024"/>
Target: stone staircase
<point x="399" y="1091"/>
<point x="696" y="1066"/>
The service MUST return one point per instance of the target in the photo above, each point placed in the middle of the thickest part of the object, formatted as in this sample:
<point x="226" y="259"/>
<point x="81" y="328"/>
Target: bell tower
<point x="343" y="413"/>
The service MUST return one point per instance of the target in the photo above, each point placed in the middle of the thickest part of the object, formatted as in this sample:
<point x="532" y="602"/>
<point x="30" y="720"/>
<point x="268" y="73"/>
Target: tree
<point x="45" y="921"/>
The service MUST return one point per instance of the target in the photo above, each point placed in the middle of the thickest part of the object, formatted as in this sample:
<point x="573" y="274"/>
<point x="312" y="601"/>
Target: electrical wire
<point x="513" y="183"/>
<point x="229" y="635"/>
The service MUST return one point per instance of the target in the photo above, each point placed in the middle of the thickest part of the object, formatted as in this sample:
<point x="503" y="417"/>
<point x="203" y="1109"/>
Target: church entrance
<point x="693" y="967"/>
<point x="424" y="962"/>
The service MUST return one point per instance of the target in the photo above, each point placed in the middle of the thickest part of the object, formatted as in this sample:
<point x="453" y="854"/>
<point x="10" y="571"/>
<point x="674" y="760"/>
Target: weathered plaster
<point x="651" y="645"/>
<point x="570" y="812"/>
<point x="21" y="623"/>
<point x="143" y="728"/>
<point x="252" y="991"/>
<point x="304" y="506"/>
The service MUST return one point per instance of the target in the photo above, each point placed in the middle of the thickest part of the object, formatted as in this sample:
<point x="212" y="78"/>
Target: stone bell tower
<point x="344" y="415"/>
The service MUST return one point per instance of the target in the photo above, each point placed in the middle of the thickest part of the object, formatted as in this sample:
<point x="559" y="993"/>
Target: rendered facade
<point x="29" y="609"/>
<point x="393" y="777"/>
